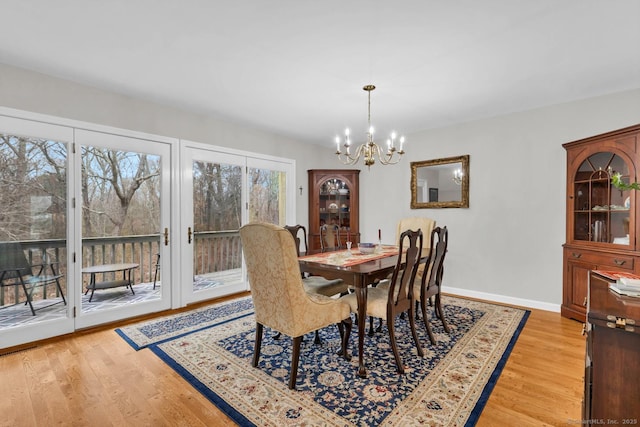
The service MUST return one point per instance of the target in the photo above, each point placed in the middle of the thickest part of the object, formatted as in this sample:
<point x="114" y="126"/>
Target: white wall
<point x="506" y="246"/>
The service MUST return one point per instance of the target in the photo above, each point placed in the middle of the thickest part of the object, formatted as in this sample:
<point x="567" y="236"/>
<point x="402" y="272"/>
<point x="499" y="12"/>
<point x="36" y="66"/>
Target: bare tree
<point x="110" y="181"/>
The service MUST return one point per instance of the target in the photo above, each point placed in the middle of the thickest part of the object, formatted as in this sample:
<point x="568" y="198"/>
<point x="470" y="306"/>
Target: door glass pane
<point x="120" y="227"/>
<point x="33" y="229"/>
<point x="217" y="217"/>
<point x="267" y="196"/>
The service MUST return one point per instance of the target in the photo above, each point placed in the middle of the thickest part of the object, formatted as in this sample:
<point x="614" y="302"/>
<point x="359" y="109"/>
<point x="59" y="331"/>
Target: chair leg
<point x="61" y="293"/>
<point x="412" y="323"/>
<point x="394" y="346"/>
<point x="317" y="340"/>
<point x="441" y="313"/>
<point x="423" y="305"/>
<point x="295" y="356"/>
<point x="155" y="277"/>
<point x="258" y="344"/>
<point x="27" y="295"/>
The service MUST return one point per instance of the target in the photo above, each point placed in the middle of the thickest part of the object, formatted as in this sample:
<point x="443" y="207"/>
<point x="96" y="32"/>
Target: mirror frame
<point x="464" y="187"/>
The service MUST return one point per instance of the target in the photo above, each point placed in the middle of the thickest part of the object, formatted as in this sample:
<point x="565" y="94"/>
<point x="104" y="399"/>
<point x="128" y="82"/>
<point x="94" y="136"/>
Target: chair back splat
<point x="279" y="299"/>
<point x="295" y="232"/>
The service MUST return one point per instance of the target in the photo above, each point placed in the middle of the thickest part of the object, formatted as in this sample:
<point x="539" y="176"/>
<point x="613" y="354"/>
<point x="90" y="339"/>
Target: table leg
<point x="361" y="295"/>
<point x="128" y="279"/>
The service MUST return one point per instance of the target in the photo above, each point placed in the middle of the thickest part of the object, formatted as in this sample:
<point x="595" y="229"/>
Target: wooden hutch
<point x="601" y="220"/>
<point x="334" y="199"/>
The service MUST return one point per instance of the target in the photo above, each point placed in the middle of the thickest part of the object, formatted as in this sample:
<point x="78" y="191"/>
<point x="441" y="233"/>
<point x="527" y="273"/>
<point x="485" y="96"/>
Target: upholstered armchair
<point x="279" y="298"/>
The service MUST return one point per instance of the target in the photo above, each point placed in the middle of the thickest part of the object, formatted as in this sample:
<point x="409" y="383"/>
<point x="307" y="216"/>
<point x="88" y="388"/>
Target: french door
<point x="35" y="171"/>
<point x="123" y="214"/>
<point x="221" y="191"/>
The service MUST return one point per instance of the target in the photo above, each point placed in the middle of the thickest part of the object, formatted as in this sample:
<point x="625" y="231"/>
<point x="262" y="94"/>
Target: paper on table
<point x="630" y="283"/>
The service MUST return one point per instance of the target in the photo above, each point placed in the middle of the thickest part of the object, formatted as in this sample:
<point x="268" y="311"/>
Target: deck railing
<point x="213" y="251"/>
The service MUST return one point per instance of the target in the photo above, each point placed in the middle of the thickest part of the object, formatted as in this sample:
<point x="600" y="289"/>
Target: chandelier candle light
<point x="370" y="150"/>
<point x="457" y="176"/>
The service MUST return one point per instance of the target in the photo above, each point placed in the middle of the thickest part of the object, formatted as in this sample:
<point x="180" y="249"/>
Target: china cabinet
<point x="601" y="220"/>
<point x="334" y="199"/>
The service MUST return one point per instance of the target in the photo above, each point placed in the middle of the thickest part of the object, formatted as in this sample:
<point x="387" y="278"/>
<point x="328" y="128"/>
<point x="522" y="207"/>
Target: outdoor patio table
<point x="126" y="280"/>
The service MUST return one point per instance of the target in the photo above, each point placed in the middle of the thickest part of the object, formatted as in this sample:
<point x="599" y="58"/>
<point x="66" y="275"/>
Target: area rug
<point x="448" y="387"/>
<point x="143" y="334"/>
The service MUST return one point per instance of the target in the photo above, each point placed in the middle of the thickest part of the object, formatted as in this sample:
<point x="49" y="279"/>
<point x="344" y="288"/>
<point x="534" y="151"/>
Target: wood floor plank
<point x="95" y="378"/>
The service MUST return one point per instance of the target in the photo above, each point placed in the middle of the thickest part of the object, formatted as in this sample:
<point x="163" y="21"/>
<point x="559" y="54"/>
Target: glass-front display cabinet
<point x="601" y="212"/>
<point x="333" y="201"/>
<point x="601" y="219"/>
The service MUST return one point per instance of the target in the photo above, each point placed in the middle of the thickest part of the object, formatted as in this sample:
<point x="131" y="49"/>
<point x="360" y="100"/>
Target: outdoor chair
<point x="16" y="271"/>
<point x="279" y="299"/>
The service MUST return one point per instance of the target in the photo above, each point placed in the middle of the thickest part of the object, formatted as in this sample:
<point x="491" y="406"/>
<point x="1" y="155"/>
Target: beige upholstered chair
<point x="387" y="303"/>
<point x="429" y="284"/>
<point x="426" y="225"/>
<point x="278" y="295"/>
<point x="315" y="284"/>
<point x="414" y="223"/>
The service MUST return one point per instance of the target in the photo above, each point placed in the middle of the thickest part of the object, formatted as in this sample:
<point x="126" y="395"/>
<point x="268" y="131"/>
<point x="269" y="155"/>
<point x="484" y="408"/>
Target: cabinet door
<point x="598" y="212"/>
<point x="575" y="292"/>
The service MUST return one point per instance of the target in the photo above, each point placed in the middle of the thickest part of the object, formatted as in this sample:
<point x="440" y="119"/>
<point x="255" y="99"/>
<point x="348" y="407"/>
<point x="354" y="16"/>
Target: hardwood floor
<point x="95" y="378"/>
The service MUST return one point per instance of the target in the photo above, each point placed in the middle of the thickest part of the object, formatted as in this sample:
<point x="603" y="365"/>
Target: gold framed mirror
<point x="440" y="183"/>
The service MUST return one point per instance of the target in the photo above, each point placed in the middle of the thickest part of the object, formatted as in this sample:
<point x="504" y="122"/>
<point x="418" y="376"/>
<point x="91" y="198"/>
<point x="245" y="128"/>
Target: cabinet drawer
<point x="602" y="259"/>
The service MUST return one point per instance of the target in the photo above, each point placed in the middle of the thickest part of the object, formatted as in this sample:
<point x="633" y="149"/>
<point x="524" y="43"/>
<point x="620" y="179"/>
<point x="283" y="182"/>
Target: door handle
<point x="189" y="233"/>
<point x="166" y="237"/>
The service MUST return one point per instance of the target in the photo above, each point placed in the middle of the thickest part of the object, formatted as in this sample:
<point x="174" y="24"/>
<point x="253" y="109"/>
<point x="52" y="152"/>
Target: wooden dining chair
<point x="278" y="295"/>
<point x="330" y="237"/>
<point x="428" y="280"/>
<point x="315" y="284"/>
<point x="389" y="303"/>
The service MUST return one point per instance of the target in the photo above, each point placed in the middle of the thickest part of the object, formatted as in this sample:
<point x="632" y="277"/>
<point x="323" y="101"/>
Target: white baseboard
<point x="539" y="305"/>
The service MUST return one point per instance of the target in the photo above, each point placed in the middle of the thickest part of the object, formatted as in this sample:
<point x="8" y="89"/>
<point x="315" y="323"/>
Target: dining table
<point x="358" y="269"/>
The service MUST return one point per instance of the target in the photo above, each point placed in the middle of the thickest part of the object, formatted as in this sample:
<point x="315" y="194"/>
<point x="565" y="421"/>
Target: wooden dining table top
<point x="354" y="268"/>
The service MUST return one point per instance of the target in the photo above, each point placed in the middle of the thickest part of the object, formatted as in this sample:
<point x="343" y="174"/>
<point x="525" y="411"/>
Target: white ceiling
<point x="297" y="67"/>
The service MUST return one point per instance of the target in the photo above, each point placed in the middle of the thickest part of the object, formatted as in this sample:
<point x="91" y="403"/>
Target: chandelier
<point x="370" y="150"/>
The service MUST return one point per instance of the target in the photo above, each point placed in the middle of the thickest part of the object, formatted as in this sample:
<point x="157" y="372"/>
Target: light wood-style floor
<point x="94" y="378"/>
